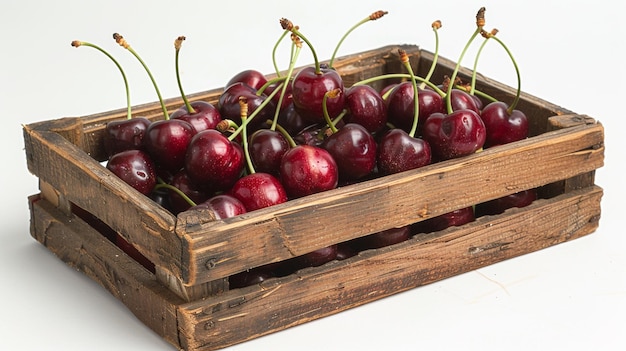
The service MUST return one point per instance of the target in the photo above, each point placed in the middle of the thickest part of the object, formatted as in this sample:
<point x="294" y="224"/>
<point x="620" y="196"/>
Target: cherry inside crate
<point x="182" y="292"/>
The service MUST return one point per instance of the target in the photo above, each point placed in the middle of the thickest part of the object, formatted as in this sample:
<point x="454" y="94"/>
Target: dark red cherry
<point x="250" y="277"/>
<point x="401" y="105"/>
<point x="365" y="107"/>
<point x="503" y="126"/>
<point x="398" y="152"/>
<point x="205" y="116"/>
<point x="305" y="170"/>
<point x="166" y="141"/>
<point x="457" y="134"/>
<point x="259" y="190"/>
<point x="136" y="168"/>
<point x="308" y="90"/>
<point x="499" y="205"/>
<point x="267" y="148"/>
<point x="384" y="238"/>
<point x="354" y="150"/>
<point x="250" y="77"/>
<point x="222" y="206"/>
<point x="229" y="107"/>
<point x="462" y="100"/>
<point x="451" y="219"/>
<point x="126" y="134"/>
<point x="213" y="162"/>
<point x="183" y="183"/>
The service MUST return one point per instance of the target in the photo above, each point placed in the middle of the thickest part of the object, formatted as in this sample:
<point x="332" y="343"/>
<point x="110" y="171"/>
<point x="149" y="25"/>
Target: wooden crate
<point x="186" y="298"/>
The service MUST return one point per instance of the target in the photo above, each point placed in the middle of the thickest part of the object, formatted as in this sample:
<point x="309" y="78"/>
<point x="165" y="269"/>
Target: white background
<point x="568" y="297"/>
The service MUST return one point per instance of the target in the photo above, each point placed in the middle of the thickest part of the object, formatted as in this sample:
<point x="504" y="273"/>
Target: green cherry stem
<point x="436" y="25"/>
<point x="243" y="106"/>
<point x="517" y="72"/>
<point x="245" y="122"/>
<point x="401" y="76"/>
<point x="404" y="58"/>
<point x="177" y="44"/>
<point x="296" y="47"/>
<point x="372" y="17"/>
<point x="329" y="94"/>
<point x="295" y="30"/>
<point x="123" y="43"/>
<point x="480" y="22"/>
<point x="77" y="43"/>
<point x="161" y="184"/>
<point x="282" y="36"/>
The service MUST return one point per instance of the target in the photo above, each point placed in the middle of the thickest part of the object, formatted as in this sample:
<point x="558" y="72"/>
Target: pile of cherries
<point x="267" y="141"/>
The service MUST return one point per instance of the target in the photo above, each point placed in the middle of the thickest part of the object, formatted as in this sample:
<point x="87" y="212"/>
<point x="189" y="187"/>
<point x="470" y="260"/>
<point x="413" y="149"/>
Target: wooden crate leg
<point x="190" y="293"/>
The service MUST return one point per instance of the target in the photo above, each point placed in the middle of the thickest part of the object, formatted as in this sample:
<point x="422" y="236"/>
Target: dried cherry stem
<point x="77" y="43"/>
<point x="161" y="184"/>
<point x="330" y="94"/>
<point x="288" y="25"/>
<point x="404" y="58"/>
<point x="372" y="17"/>
<point x="177" y="44"/>
<point x="123" y="43"/>
<point x="436" y="25"/>
<point x="480" y="22"/>
<point x="243" y="108"/>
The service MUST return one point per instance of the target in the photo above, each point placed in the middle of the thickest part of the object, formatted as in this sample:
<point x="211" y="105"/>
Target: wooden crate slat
<point x="320" y="220"/>
<point x="312" y="293"/>
<point x="83" y="248"/>
<point x="89" y="185"/>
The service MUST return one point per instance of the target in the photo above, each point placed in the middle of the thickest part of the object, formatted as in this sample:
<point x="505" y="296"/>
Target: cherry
<point x="291" y="120"/>
<point x="213" y="161"/>
<point x="229" y="108"/>
<point x="461" y="100"/>
<point x="250" y="277"/>
<point x="267" y="148"/>
<point x="384" y="238"/>
<point x="401" y="105"/>
<point x="503" y="125"/>
<point x="204" y="116"/>
<point x="308" y="89"/>
<point x="499" y="205"/>
<point x="259" y="190"/>
<point x="312" y="259"/>
<point x="398" y="152"/>
<point x="365" y="107"/>
<point x="354" y="150"/>
<point x="136" y="168"/>
<point x="125" y="134"/>
<point x="250" y="77"/>
<point x="307" y="169"/>
<point x="454" y="218"/>
<point x="183" y="183"/>
<point x="453" y="135"/>
<point x="222" y="206"/>
<point x="200" y="114"/>
<point x="166" y="141"/>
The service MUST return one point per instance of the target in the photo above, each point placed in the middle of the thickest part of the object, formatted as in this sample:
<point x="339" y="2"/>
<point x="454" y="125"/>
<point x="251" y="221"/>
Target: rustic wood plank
<point x="312" y="293"/>
<point x="81" y="247"/>
<point x="92" y="187"/>
<point x="221" y="248"/>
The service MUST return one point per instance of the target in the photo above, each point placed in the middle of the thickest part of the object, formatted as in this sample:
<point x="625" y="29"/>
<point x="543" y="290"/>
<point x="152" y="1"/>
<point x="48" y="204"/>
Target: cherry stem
<point x="480" y="22"/>
<point x="284" y="132"/>
<point x="243" y="105"/>
<point x="282" y="36"/>
<point x="329" y="94"/>
<point x="402" y="76"/>
<point x="478" y="93"/>
<point x="123" y="43"/>
<point x="372" y="17"/>
<point x="436" y="25"/>
<point x="77" y="43"/>
<point x="295" y="30"/>
<point x="163" y="185"/>
<point x="517" y="72"/>
<point x="177" y="44"/>
<point x="404" y="58"/>
<point x="256" y="111"/>
<point x="296" y="47"/>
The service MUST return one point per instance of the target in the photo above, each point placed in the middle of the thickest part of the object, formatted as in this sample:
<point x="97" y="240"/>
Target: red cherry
<point x="259" y="190"/>
<point x="136" y="168"/>
<point x="503" y="127"/>
<point x="308" y="90"/>
<point x="365" y="107"/>
<point x="305" y="170"/>
<point x="398" y="152"/>
<point x="354" y="150"/>
<point x="454" y="218"/>
<point x="250" y="77"/>
<point x="206" y="115"/>
<point x="267" y="148"/>
<point x="457" y="134"/>
<point x="222" y="206"/>
<point x="126" y="134"/>
<point x="166" y="141"/>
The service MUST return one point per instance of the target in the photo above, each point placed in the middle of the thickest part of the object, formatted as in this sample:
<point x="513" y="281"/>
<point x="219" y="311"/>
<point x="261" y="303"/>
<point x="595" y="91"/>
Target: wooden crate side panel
<point x="222" y="248"/>
<point x="84" y="182"/>
<point x="81" y="247"/>
<point x="312" y="293"/>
